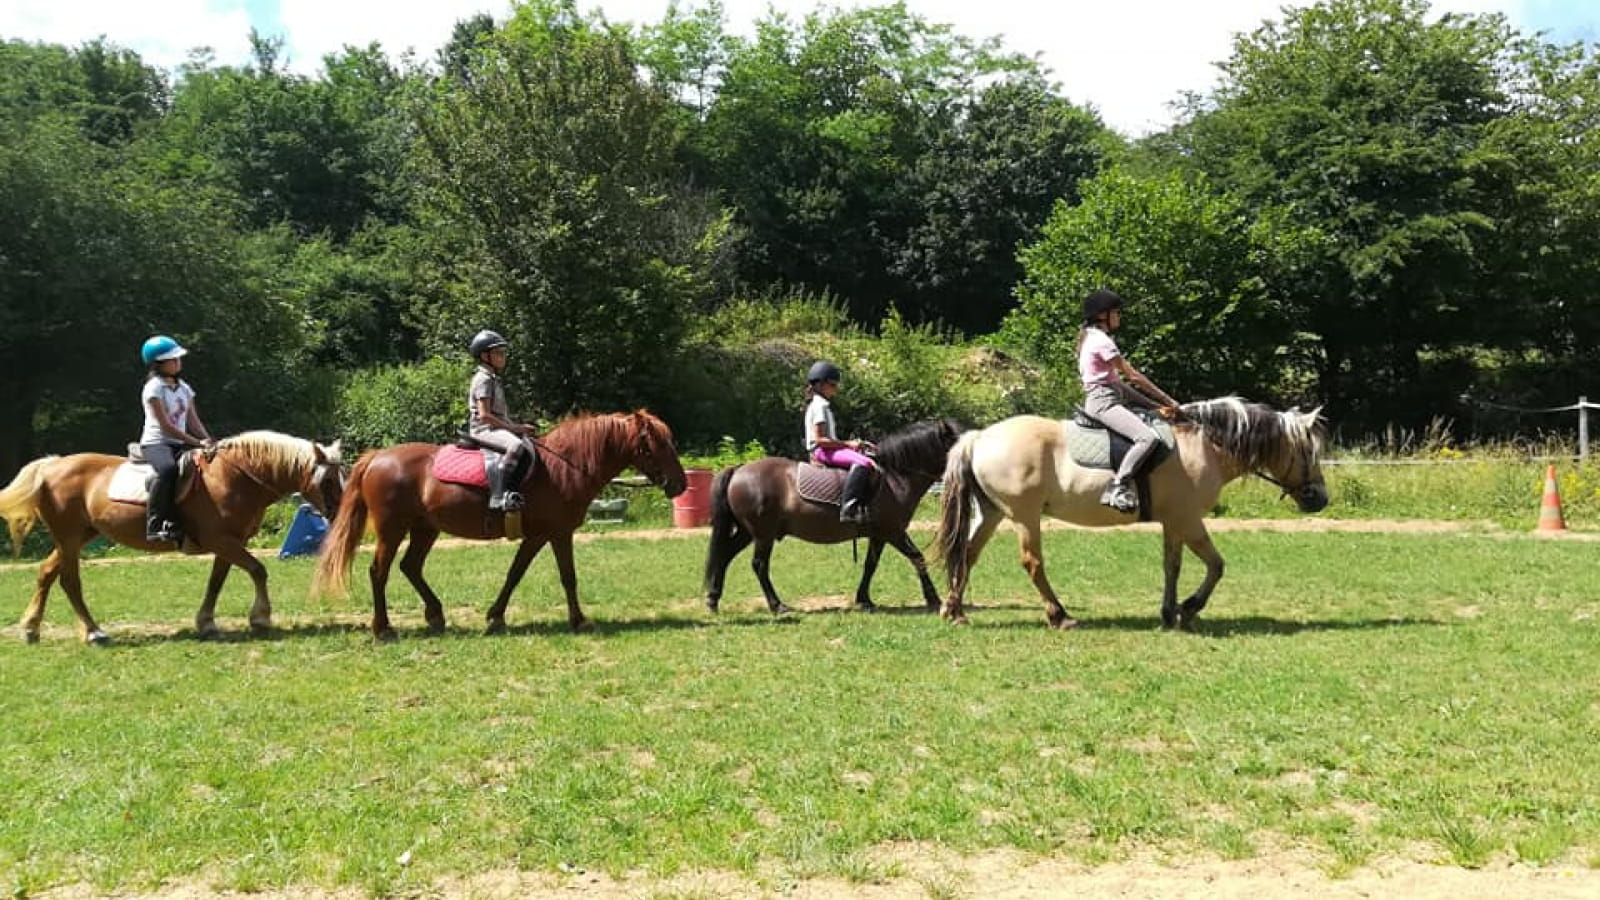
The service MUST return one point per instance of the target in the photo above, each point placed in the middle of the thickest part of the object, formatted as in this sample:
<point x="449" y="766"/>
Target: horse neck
<point x="583" y="467"/>
<point x="1194" y="445"/>
<point x="271" y="480"/>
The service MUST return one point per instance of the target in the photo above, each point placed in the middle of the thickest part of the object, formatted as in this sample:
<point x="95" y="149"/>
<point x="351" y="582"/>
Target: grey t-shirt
<point x="485" y="385"/>
<point x="818" y="410"/>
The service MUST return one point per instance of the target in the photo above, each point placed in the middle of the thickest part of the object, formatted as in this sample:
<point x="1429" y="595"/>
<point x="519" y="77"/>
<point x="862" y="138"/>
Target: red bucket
<point x="692" y="508"/>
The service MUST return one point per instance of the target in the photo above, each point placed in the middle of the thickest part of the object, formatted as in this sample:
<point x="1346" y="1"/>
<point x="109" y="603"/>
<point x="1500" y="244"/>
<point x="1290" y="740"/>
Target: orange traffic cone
<point x="1550" y="517"/>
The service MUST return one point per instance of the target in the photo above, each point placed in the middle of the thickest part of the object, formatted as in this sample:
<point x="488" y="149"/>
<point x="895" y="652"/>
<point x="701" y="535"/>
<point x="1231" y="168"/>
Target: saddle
<point x="824" y="484"/>
<point x="469" y="463"/>
<point x="131" y="482"/>
<point x="1094" y="446"/>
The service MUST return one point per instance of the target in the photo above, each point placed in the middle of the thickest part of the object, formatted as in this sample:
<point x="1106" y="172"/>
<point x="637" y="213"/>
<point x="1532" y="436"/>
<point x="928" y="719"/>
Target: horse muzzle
<point x="1312" y="498"/>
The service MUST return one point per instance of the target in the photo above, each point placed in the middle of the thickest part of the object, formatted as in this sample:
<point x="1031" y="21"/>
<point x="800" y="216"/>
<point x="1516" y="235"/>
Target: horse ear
<point x="336" y="450"/>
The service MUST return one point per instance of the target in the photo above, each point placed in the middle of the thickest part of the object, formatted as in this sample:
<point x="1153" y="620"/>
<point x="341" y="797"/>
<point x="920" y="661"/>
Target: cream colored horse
<point x="1020" y="469"/>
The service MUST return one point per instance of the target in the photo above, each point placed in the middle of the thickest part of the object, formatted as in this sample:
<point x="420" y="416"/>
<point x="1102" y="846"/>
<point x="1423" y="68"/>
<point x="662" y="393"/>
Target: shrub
<point x="423" y="401"/>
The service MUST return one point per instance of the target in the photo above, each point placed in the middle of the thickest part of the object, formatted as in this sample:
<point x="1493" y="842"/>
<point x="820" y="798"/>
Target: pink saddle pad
<point x="459" y="465"/>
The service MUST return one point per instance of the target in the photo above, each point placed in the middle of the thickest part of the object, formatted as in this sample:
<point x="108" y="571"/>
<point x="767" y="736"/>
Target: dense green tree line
<point x="1375" y="207"/>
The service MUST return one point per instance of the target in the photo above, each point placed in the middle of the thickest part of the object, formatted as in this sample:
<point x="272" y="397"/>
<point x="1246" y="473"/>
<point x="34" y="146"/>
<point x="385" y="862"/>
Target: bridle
<point x="1283" y="485"/>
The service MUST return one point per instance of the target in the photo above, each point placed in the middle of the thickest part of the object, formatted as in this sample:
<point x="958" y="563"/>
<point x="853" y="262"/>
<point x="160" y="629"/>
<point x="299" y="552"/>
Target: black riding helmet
<point x="484" y="341"/>
<point x="822" y="371"/>
<point x="1098" y="303"/>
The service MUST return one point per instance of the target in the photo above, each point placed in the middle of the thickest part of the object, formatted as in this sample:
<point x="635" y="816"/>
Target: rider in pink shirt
<point x="1109" y="390"/>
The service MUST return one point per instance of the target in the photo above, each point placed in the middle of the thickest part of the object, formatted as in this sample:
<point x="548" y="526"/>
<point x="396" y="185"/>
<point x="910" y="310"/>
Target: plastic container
<point x="304" y="537"/>
<point x="692" y="508"/>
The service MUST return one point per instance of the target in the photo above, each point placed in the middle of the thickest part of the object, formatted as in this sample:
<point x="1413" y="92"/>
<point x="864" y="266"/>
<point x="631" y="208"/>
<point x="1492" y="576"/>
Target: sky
<point x="1129" y="59"/>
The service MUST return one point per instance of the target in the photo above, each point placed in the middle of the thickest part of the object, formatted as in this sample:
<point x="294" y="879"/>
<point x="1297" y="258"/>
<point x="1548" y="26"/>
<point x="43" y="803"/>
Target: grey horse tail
<point x="961" y="490"/>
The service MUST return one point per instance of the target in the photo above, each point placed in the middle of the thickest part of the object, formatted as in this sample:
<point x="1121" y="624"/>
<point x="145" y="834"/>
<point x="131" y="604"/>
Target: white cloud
<point x="1127" y="58"/>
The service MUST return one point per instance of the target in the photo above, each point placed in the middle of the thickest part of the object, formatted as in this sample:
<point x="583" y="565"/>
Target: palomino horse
<point x="1020" y="469"/>
<point x="231" y="492"/>
<point x="758" y="502"/>
<point x="397" y="489"/>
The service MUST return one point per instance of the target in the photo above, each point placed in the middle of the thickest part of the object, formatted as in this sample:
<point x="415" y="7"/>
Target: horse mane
<point x="918" y="448"/>
<point x="1252" y="433"/>
<point x="580" y="444"/>
<point x="281" y="455"/>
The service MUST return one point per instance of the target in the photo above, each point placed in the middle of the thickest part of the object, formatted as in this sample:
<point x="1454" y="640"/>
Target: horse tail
<point x="955" y="508"/>
<point x="339" y="547"/>
<point x="19" y="502"/>
<point x="723" y="528"/>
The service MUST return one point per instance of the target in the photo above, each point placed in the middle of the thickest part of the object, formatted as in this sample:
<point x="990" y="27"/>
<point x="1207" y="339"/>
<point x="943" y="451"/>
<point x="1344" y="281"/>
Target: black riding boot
<point x="497" y="486"/>
<point x="512" y="467"/>
<point x="857" y="496"/>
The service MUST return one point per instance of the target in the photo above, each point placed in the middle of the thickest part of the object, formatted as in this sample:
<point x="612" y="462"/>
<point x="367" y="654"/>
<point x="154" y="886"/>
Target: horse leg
<point x="422" y="538"/>
<point x="88" y="630"/>
<point x="868" y="569"/>
<point x="561" y="546"/>
<point x="1203" y="548"/>
<point x="1171" y="567"/>
<point x="762" y="564"/>
<point x="930" y="594"/>
<point x="205" y="623"/>
<point x="526" y="551"/>
<point x="735" y="545"/>
<point x="382" y="560"/>
<point x="260" y="611"/>
<point x="1031" y="540"/>
<point x="953" y="611"/>
<point x="49" y="571"/>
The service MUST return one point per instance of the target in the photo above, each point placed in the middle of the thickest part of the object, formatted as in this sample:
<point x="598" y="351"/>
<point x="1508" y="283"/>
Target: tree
<point x="552" y="211"/>
<point x="1206" y="314"/>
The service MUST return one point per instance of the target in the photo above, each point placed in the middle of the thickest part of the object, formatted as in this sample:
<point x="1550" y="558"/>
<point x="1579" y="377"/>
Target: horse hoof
<point x="97" y="638"/>
<point x="712" y="604"/>
<point x="498" y="626"/>
<point x="208" y="633"/>
<point x="30" y="637"/>
<point x="436" y="628"/>
<point x="1065" y="623"/>
<point x="385" y="636"/>
<point x="261" y="629"/>
<point x="957" y="619"/>
<point x="867" y="607"/>
<point x="582" y="626"/>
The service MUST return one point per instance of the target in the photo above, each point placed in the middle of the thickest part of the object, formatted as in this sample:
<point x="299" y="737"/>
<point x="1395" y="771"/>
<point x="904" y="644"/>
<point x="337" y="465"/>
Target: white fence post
<point x="1583" y="429"/>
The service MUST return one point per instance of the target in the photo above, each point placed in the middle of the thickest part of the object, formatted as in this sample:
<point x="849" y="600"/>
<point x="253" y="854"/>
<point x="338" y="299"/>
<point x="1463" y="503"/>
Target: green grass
<point x="1362" y="695"/>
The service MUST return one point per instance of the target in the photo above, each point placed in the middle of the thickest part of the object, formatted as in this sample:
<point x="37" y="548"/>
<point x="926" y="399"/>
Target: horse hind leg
<point x="761" y="563"/>
<point x="987" y="523"/>
<point x="72" y="584"/>
<point x="411" y="564"/>
<point x="49" y="571"/>
<point x="717" y="577"/>
<point x="1032" y="545"/>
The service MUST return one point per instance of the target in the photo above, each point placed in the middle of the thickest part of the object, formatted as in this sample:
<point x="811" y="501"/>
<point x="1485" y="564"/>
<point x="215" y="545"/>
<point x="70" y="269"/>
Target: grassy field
<point x="1363" y="695"/>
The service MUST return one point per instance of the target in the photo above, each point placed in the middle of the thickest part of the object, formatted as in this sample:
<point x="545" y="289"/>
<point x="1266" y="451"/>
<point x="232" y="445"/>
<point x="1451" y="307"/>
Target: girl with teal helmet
<point x="171" y="424"/>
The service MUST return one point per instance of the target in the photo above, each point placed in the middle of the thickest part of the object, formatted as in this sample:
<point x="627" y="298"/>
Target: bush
<point x="394" y="404"/>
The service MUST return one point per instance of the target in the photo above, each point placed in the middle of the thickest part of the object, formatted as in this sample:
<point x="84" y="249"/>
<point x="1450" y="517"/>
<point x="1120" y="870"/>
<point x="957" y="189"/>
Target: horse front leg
<point x="260" y="611"/>
<point x="1202" y="547"/>
<point x="1031" y="540"/>
<point x="930" y="594"/>
<point x="561" y="546"/>
<point x="868" y="569"/>
<point x="1171" y="567"/>
<point x="422" y="539"/>
<point x="205" y="621"/>
<point x="761" y="564"/>
<point x="526" y="551"/>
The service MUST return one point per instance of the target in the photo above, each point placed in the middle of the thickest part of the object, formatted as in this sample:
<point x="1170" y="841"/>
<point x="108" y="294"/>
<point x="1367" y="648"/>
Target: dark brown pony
<point x="248" y="473"/>
<point x="397" y="489"/>
<point x="758" y="503"/>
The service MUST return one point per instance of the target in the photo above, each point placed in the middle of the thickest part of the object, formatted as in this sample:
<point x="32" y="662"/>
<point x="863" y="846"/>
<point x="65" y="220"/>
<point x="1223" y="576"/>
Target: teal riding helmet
<point x="160" y="348"/>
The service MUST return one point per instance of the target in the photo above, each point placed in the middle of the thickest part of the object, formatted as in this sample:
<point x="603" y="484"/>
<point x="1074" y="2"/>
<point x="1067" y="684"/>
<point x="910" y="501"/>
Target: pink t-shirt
<point x="1096" y="357"/>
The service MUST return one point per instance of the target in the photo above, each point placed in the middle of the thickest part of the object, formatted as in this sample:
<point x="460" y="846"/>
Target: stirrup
<point x="1121" y="497"/>
<point x="511" y="501"/>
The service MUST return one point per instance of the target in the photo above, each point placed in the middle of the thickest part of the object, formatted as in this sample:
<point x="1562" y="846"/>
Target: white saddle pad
<point x="127" y="483"/>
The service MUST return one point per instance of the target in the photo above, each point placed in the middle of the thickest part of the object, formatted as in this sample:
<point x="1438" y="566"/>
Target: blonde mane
<point x="273" y="456"/>
<point x="1254" y="433"/>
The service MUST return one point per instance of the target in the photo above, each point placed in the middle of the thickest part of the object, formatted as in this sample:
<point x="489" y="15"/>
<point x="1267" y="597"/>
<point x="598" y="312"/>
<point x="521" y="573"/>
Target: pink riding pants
<point x="842" y="458"/>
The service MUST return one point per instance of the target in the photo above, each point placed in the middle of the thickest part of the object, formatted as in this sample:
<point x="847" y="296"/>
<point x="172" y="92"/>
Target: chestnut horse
<point x="223" y="510"/>
<point x="758" y="503"/>
<point x="1020" y="469"/>
<point x="396" y="487"/>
